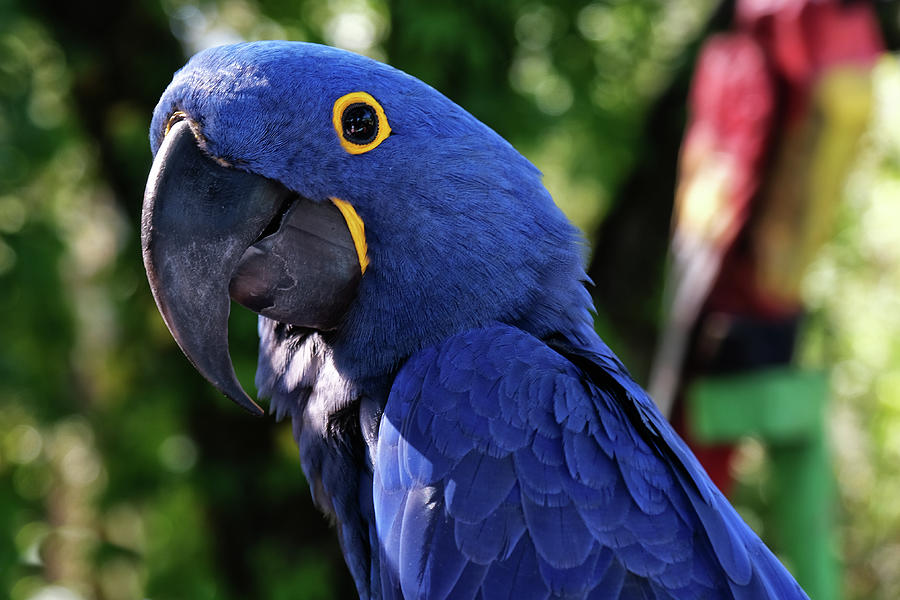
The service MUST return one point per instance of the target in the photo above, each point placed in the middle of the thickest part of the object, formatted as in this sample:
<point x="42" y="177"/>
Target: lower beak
<point x="208" y="231"/>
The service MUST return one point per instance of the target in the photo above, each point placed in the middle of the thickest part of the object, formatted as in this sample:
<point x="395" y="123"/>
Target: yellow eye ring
<point x="360" y="122"/>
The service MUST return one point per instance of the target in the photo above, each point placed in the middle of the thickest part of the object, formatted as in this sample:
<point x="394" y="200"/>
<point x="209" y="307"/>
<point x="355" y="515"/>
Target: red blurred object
<point x="776" y="109"/>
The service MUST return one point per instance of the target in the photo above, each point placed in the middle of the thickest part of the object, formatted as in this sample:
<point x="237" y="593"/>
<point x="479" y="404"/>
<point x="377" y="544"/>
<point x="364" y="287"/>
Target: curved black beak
<point x="207" y="229"/>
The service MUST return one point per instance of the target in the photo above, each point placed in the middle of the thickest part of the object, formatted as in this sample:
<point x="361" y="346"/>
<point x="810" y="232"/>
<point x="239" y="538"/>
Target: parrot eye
<point x="360" y="122"/>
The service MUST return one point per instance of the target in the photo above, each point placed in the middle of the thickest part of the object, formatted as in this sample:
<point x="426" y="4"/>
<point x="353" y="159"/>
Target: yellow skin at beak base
<point x="357" y="231"/>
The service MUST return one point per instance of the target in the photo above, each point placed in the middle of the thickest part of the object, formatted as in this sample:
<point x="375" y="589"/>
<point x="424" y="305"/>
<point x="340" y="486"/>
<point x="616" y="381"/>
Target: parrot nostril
<point x="175" y="118"/>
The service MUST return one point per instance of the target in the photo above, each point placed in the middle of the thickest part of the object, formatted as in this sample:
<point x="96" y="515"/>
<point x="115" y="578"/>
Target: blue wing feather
<point x="609" y="587"/>
<point x="478" y="485"/>
<point x="559" y="534"/>
<point x="548" y="450"/>
<point x="507" y="468"/>
<point x="469" y="582"/>
<point x="537" y="477"/>
<point x="580" y="579"/>
<point x="445" y="566"/>
<point x="516" y="577"/>
<point x="493" y="538"/>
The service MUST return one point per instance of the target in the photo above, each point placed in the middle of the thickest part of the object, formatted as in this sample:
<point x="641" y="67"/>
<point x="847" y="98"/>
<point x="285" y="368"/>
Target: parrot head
<point x="329" y="192"/>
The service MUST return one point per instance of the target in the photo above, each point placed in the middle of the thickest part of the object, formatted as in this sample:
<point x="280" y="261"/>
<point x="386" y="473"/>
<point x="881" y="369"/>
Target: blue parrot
<point x="425" y="323"/>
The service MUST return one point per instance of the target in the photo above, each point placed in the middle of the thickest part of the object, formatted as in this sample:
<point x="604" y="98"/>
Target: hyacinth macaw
<point x="777" y="107"/>
<point x="425" y="324"/>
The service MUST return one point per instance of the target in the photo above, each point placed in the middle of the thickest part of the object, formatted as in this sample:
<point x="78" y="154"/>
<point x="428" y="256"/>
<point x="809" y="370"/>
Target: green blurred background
<point x="124" y="475"/>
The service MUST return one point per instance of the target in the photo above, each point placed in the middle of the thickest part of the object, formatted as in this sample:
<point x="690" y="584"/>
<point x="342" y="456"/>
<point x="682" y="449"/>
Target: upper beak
<point x="208" y="230"/>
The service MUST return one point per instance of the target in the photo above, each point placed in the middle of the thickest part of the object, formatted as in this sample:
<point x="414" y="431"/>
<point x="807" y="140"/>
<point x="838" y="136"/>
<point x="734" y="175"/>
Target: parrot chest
<point x="334" y="421"/>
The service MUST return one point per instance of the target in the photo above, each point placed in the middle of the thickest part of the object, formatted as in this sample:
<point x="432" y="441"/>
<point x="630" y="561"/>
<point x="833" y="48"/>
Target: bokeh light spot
<point x="55" y="592"/>
<point x="12" y="214"/>
<point x="178" y="453"/>
<point x="23" y="444"/>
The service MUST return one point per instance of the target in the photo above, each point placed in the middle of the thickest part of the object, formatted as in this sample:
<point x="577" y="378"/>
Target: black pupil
<point x="360" y="123"/>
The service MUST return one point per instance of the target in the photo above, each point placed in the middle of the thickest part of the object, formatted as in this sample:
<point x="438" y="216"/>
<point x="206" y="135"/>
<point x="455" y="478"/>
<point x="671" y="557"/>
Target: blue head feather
<point x="460" y="230"/>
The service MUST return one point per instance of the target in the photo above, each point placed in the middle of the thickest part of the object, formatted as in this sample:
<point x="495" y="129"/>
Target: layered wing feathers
<point x="505" y="469"/>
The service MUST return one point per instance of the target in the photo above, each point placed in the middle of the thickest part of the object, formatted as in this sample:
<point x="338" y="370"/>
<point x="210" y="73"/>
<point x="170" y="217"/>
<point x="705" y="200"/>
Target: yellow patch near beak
<point x="357" y="231"/>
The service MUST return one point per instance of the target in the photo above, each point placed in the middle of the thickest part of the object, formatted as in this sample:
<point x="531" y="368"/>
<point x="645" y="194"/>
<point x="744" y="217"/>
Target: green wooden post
<point x="785" y="408"/>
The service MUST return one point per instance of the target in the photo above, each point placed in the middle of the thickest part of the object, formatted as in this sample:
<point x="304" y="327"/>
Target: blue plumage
<point x="464" y="426"/>
<point x="613" y="505"/>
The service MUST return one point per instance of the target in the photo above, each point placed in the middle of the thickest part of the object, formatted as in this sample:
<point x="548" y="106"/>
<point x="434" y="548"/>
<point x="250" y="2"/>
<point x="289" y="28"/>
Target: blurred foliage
<point x="124" y="475"/>
<point x="853" y="290"/>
